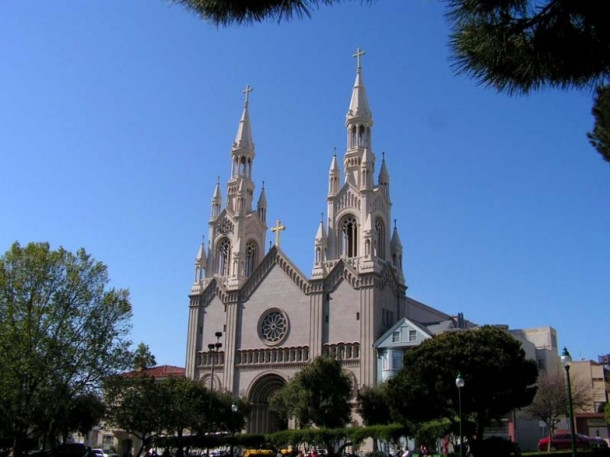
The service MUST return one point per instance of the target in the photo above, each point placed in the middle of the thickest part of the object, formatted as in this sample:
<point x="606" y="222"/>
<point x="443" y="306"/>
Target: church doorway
<point x="262" y="418"/>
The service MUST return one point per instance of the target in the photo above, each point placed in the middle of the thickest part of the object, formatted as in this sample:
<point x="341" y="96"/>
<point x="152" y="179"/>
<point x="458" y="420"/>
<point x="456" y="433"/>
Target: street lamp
<point x="566" y="361"/>
<point x="233" y="413"/>
<point x="459" y="383"/>
<point x="214" y="348"/>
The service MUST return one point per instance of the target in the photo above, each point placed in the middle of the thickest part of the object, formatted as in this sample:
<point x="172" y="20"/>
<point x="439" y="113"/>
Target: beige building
<point x="255" y="319"/>
<point x="595" y="377"/>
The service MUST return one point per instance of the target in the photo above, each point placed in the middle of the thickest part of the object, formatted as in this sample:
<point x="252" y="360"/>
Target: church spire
<point x="334" y="176"/>
<point x="216" y="201"/>
<point x="240" y="187"/>
<point x="384" y="177"/>
<point x="358" y="122"/>
<point x="359" y="105"/>
<point x="243" y="138"/>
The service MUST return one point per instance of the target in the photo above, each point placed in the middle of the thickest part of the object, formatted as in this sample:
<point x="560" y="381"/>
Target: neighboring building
<point x="123" y="443"/>
<point x="595" y="377"/>
<point x="255" y="319"/>
<point x="539" y="344"/>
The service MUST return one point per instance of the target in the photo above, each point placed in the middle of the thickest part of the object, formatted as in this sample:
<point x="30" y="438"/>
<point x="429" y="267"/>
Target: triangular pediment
<point x="275" y="258"/>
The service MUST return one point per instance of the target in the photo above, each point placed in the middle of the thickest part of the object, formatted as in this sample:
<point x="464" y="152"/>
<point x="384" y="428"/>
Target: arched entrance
<point x="262" y="418"/>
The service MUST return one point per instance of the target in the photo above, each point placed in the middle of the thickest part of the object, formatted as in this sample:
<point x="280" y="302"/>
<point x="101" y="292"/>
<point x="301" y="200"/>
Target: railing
<point x="283" y="355"/>
<point x="342" y="351"/>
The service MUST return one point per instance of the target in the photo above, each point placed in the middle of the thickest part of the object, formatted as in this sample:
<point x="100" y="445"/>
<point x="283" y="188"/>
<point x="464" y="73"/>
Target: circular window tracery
<point x="273" y="327"/>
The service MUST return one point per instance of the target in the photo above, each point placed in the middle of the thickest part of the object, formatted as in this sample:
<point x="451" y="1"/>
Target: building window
<point x="251" y="258"/>
<point x="273" y="327"/>
<point x="379" y="238"/>
<point x="349" y="237"/>
<point x="223" y="257"/>
<point x="396" y="337"/>
<point x="412" y="335"/>
<point x="397" y="361"/>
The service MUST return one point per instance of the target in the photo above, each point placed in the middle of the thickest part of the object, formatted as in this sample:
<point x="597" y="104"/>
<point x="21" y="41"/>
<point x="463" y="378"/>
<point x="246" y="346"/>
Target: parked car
<point x="562" y="439"/>
<point x="597" y="442"/>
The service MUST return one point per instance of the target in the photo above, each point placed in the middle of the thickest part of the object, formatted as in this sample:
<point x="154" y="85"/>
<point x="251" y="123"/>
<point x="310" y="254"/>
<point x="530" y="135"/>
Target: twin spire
<point x="243" y="138"/>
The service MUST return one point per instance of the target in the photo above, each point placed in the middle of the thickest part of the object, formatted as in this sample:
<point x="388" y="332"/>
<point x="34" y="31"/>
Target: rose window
<point x="273" y="327"/>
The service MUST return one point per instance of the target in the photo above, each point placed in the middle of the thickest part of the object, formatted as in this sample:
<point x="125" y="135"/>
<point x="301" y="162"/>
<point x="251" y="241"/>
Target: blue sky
<point x="117" y="117"/>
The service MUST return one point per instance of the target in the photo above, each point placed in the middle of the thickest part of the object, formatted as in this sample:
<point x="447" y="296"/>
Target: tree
<point x="62" y="330"/>
<point x="515" y="46"/>
<point x="373" y="405"/>
<point x="226" y="12"/>
<point x="143" y="358"/>
<point x="498" y="378"/>
<point x="550" y="404"/>
<point x="133" y="404"/>
<point x="318" y="394"/>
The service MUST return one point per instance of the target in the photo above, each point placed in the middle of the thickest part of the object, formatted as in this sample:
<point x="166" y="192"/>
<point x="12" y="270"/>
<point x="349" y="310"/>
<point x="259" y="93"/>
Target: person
<point x="407" y="452"/>
<point x="445" y="445"/>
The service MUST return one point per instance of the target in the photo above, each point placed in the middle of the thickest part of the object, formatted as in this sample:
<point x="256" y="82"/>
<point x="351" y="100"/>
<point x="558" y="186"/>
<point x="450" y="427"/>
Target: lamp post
<point x="214" y="348"/>
<point x="459" y="383"/>
<point x="233" y="413"/>
<point x="566" y="361"/>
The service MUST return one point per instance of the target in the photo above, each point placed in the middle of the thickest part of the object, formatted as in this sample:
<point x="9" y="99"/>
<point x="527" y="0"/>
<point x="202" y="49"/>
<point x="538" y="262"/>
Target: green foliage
<point x="498" y="378"/>
<point x="600" y="136"/>
<point x="143" y="358"/>
<point x="518" y="46"/>
<point x="607" y="412"/>
<point x="335" y="440"/>
<point x="181" y="409"/>
<point x="429" y="432"/>
<point x="374" y="405"/>
<point x="318" y="394"/>
<point x="62" y="330"/>
<point x="224" y="12"/>
<point x="134" y="404"/>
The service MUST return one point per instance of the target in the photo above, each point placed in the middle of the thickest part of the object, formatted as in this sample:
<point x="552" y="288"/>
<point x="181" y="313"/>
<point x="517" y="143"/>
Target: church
<point x="255" y="319"/>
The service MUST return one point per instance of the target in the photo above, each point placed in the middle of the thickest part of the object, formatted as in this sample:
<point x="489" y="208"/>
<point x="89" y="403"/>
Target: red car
<point x="562" y="440"/>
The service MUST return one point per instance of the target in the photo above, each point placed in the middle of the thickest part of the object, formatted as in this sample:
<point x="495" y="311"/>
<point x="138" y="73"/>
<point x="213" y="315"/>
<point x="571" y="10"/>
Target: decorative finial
<point x="358" y="55"/>
<point x="394" y="224"/>
<point x="247" y="91"/>
<point x="383" y="156"/>
<point x="335" y="151"/>
<point x="263" y="185"/>
<point x="322" y="217"/>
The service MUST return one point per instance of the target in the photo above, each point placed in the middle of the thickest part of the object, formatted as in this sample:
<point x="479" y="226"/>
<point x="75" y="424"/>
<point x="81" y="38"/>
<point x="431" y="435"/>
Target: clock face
<point x="273" y="326"/>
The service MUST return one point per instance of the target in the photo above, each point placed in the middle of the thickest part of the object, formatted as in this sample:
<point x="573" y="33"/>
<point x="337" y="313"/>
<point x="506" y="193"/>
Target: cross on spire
<point x="277" y="229"/>
<point x="358" y="55"/>
<point x="247" y="91"/>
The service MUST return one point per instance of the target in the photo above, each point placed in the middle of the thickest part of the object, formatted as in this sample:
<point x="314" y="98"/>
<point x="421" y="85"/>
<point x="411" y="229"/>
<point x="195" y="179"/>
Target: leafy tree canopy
<point x="498" y="378"/>
<point x="374" y="405"/>
<point x="62" y="330"/>
<point x="515" y="46"/>
<point x="143" y="358"/>
<point x="318" y="394"/>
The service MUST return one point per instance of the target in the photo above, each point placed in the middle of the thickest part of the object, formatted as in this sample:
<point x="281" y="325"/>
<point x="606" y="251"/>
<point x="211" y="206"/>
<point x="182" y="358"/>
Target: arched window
<point x="379" y="238"/>
<point x="223" y="257"/>
<point x="251" y="257"/>
<point x="349" y="237"/>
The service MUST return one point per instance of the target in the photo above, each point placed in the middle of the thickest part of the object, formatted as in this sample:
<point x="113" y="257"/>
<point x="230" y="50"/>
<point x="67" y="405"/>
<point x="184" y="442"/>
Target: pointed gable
<point x="403" y="333"/>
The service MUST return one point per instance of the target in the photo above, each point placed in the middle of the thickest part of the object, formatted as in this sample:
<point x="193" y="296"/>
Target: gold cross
<point x="358" y="55"/>
<point x="247" y="91"/>
<point x="278" y="227"/>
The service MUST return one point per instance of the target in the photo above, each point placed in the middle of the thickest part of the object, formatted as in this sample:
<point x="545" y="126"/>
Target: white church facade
<point x="255" y="319"/>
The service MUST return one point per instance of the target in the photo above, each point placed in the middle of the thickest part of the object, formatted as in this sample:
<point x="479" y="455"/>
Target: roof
<point x="161" y="371"/>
